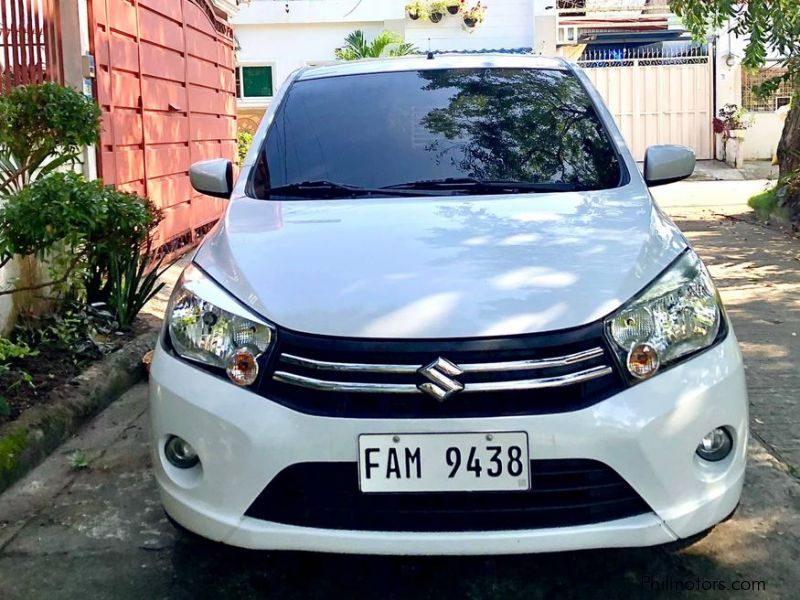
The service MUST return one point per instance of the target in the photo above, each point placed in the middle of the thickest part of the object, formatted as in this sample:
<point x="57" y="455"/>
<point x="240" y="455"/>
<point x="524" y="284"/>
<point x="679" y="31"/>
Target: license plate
<point x="444" y="462"/>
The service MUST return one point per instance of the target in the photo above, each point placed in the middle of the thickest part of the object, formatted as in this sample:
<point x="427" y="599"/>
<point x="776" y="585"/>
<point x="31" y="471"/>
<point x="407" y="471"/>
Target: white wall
<point x="273" y="12"/>
<point x="761" y="140"/>
<point x="508" y="24"/>
<point x="290" y="46"/>
<point x="7" y="275"/>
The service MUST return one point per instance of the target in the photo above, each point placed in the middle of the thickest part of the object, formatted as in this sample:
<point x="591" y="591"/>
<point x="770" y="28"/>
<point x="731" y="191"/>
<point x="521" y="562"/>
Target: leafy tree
<point x="42" y="127"/>
<point x="386" y="43"/>
<point x="766" y="25"/>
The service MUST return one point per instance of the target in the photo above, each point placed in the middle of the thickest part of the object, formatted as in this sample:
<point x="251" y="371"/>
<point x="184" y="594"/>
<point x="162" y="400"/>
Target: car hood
<point x="440" y="267"/>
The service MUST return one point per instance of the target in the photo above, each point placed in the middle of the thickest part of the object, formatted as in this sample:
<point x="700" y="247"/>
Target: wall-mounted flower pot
<point x="413" y="15"/>
<point x="453" y="10"/>
<point x="435" y="17"/>
<point x="470" y="22"/>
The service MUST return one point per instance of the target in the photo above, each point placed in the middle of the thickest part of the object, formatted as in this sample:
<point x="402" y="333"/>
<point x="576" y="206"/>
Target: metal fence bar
<point x="13" y="66"/>
<point x="58" y="74"/>
<point x="6" y="58"/>
<point x="28" y="41"/>
<point x="30" y="63"/>
<point x="30" y="33"/>
<point x="22" y="65"/>
<point x="47" y="41"/>
<point x="35" y="32"/>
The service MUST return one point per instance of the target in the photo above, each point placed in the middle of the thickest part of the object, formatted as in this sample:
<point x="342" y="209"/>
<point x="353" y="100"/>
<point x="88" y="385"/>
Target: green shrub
<point x="42" y="127"/>
<point x="76" y="329"/>
<point x="764" y="203"/>
<point x="89" y="222"/>
<point x="134" y="280"/>
<point x="9" y="352"/>
<point x="243" y="141"/>
<point x="81" y="227"/>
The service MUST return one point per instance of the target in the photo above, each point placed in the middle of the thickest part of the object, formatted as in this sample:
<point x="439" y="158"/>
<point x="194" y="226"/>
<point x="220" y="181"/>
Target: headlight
<point x="678" y="314"/>
<point x="208" y="326"/>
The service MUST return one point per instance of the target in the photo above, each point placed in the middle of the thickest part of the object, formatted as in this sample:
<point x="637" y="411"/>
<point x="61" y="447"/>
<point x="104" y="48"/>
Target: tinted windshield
<point x="403" y="129"/>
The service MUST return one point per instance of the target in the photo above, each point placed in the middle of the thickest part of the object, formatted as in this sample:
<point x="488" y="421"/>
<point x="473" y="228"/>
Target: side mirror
<point x="212" y="177"/>
<point x="667" y="164"/>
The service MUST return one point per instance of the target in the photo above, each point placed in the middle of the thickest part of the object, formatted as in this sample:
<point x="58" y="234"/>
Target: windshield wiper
<point x="330" y="189"/>
<point x="472" y="184"/>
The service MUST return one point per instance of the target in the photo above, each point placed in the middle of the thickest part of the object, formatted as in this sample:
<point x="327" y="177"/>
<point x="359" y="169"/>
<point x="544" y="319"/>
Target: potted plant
<point x="415" y="10"/>
<point x="730" y="125"/>
<point x="436" y="10"/>
<point x="453" y="6"/>
<point x="473" y="15"/>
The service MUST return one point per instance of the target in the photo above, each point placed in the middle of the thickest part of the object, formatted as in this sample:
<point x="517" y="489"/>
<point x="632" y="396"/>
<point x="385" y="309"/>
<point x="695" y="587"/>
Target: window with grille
<point x="754" y="103"/>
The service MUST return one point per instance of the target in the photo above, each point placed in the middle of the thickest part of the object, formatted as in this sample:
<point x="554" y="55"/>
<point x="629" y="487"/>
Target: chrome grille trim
<point x="539" y="363"/>
<point x="325" y="365"/>
<point x="401" y="388"/>
<point x="514" y="365"/>
<point x="344" y="386"/>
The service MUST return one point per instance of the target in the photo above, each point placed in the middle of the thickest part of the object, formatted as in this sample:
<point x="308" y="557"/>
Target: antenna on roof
<point x="430" y="52"/>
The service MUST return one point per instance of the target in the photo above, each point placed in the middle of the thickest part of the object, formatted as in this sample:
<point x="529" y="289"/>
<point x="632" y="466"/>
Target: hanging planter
<point x="415" y="10"/>
<point x="436" y="11"/>
<point x="453" y="6"/>
<point x="473" y="15"/>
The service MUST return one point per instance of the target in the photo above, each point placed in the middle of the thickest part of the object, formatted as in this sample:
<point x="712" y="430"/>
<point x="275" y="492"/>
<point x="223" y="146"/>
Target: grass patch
<point x="764" y="204"/>
<point x="77" y="460"/>
<point x="11" y="446"/>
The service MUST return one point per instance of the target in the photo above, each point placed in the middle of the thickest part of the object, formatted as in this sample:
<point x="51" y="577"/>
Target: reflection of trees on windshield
<point x="524" y="125"/>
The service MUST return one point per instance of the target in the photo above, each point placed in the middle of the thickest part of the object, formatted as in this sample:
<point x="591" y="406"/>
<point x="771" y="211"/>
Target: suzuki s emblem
<point x="441" y="384"/>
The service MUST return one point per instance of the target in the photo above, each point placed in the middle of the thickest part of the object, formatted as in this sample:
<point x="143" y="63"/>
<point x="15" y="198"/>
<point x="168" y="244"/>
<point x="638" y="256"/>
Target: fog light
<point x="242" y="367"/>
<point x="180" y="453"/>
<point x="716" y="445"/>
<point x="643" y="361"/>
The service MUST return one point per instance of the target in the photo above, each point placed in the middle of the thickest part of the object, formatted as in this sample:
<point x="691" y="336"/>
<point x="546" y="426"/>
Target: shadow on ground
<point x="614" y="573"/>
<point x="758" y="273"/>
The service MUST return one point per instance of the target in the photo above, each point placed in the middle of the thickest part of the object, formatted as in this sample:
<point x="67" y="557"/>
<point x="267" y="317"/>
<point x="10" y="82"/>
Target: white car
<point x="443" y="315"/>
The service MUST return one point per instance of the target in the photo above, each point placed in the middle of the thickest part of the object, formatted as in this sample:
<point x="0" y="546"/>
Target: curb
<point x="24" y="443"/>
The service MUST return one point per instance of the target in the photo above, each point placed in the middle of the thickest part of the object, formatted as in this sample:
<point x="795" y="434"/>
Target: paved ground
<point x="100" y="533"/>
<point x="714" y="170"/>
<point x="758" y="272"/>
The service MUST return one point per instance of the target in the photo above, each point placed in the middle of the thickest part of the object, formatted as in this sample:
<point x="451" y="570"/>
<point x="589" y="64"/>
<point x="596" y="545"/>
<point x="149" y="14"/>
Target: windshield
<point x="442" y="131"/>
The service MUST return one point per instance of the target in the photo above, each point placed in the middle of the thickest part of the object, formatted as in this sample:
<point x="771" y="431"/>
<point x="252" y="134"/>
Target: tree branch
<point x="38" y="286"/>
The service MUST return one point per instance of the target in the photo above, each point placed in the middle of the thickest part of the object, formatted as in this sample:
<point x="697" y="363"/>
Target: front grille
<point x="533" y="374"/>
<point x="564" y="493"/>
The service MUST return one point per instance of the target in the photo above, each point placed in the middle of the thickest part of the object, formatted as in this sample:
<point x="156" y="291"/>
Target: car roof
<point x="439" y="61"/>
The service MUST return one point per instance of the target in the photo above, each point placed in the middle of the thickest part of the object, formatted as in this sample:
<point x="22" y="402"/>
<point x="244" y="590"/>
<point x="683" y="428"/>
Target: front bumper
<point x="646" y="433"/>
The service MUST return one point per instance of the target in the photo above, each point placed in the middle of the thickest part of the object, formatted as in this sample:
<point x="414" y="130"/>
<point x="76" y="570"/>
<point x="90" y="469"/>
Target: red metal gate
<point x="165" y="84"/>
<point x="30" y="36"/>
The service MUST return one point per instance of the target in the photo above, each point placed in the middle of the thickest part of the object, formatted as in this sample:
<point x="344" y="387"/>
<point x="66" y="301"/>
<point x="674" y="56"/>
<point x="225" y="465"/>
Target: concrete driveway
<point x="101" y="533"/>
